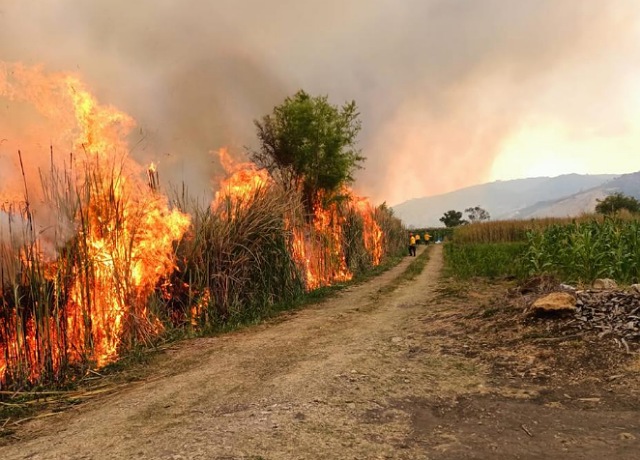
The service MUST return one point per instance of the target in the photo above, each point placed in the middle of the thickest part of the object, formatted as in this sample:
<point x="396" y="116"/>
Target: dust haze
<point x="441" y="84"/>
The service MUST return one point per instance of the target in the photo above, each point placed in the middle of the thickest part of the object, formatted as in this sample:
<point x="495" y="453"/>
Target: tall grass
<point x="393" y="232"/>
<point x="77" y="300"/>
<point x="77" y="295"/>
<point x="235" y="262"/>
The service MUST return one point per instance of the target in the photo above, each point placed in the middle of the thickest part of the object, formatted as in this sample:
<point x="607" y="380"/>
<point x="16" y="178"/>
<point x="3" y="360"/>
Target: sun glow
<point x="552" y="150"/>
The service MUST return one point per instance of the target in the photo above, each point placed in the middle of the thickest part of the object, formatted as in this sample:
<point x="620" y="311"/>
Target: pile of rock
<point x="612" y="313"/>
<point x="609" y="311"/>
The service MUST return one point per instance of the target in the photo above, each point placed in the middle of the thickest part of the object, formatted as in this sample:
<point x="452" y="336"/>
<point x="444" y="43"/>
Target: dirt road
<point x="373" y="373"/>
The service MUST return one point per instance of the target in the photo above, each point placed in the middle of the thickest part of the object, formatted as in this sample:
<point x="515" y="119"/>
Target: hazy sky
<point x="452" y="92"/>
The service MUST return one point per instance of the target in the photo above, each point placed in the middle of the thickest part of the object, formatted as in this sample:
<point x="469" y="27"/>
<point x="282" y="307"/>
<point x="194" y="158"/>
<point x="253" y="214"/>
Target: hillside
<point x="585" y="201"/>
<point x="503" y="199"/>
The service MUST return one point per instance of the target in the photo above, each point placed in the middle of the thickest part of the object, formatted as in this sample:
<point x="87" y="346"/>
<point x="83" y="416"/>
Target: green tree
<point x="309" y="145"/>
<point x="616" y="202"/>
<point x="477" y="214"/>
<point x="452" y="218"/>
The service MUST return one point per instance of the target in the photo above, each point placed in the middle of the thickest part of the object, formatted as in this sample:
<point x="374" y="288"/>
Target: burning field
<point x="96" y="258"/>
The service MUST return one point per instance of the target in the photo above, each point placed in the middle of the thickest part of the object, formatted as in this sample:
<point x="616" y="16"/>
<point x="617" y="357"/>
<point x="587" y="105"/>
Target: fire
<point x="317" y="248"/>
<point x="102" y="129"/>
<point x="316" y="243"/>
<point x="372" y="232"/>
<point x="123" y="237"/>
<point x="114" y="232"/>
<point x="243" y="182"/>
<point x="128" y="254"/>
<point x="199" y="307"/>
<point x="67" y="108"/>
<point x="328" y="223"/>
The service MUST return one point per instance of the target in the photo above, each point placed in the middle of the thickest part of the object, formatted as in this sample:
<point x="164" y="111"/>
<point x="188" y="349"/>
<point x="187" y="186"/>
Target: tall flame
<point x="316" y="243"/>
<point x="124" y="229"/>
<point x="67" y="106"/>
<point x="123" y="232"/>
<point x="373" y="235"/>
<point x="242" y="182"/>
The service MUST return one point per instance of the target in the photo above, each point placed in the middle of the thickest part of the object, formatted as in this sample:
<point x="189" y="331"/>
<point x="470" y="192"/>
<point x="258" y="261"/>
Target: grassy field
<point x="575" y="250"/>
<point x="490" y="260"/>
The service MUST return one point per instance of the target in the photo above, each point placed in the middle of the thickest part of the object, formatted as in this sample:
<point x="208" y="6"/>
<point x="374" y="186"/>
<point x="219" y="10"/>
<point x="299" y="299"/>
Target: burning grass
<point x="135" y="270"/>
<point x="105" y="263"/>
<point x="89" y="302"/>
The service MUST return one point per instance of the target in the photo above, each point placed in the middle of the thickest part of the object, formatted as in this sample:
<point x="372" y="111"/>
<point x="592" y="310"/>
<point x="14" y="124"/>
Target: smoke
<point x="442" y="85"/>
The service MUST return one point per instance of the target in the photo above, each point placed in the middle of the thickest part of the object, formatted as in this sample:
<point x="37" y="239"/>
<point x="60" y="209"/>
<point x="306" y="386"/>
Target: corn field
<point x="491" y="260"/>
<point x="584" y="251"/>
<point x="575" y="250"/>
<point x="503" y="231"/>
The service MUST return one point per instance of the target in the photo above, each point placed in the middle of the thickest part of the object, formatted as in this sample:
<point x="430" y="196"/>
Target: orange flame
<point x="243" y="182"/>
<point x="372" y="232"/>
<point x="125" y="230"/>
<point x="67" y="106"/>
<point x="316" y="246"/>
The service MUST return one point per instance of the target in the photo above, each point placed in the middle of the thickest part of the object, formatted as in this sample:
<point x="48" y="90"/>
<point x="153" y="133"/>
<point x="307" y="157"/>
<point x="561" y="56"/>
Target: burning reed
<point x="88" y="303"/>
<point x="254" y="248"/>
<point x="133" y="268"/>
<point x="105" y="262"/>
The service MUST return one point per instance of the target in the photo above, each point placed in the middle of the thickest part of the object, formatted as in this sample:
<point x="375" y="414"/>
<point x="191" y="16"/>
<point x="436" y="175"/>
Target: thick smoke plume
<point x="444" y="86"/>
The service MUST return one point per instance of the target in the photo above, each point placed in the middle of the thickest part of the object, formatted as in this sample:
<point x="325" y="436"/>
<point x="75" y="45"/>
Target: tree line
<point x="453" y="218"/>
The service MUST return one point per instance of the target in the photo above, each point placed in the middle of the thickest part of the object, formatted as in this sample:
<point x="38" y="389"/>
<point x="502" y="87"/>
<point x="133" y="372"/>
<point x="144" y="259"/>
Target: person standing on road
<point x="417" y="238"/>
<point x="412" y="245"/>
<point x="427" y="237"/>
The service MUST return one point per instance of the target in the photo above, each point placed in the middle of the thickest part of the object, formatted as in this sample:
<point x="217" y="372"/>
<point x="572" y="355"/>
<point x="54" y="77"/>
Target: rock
<point x="605" y="283"/>
<point x="635" y="288"/>
<point x="554" y="304"/>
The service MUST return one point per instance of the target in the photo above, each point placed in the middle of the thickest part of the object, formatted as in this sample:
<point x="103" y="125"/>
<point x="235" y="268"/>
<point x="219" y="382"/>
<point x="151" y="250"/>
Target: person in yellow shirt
<point x="417" y="238"/>
<point x="427" y="237"/>
<point x="412" y="245"/>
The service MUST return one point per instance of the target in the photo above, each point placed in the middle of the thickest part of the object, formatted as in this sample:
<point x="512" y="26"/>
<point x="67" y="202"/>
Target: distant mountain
<point x="503" y="199"/>
<point x="585" y="201"/>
